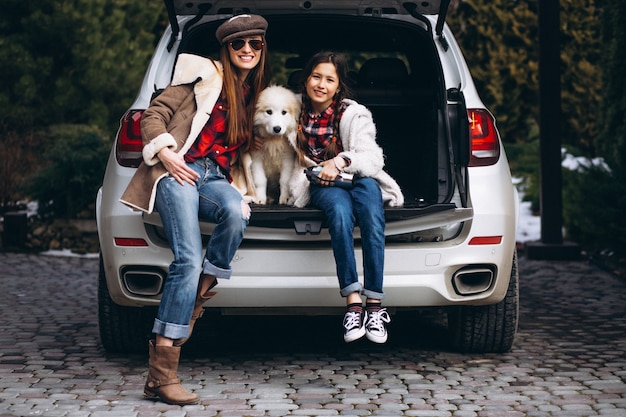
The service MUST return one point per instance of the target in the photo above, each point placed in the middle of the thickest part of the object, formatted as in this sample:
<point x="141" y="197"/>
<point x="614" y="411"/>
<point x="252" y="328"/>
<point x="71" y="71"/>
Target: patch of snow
<point x="69" y="253"/>
<point x="529" y="225"/>
<point x="580" y="163"/>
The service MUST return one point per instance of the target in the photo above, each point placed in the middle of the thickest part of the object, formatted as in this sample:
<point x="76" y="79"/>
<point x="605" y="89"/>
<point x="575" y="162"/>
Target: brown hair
<point x="239" y="117"/>
<point x="341" y="66"/>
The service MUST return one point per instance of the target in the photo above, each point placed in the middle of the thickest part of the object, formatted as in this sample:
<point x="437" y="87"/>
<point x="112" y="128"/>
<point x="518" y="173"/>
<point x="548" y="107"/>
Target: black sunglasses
<point x="255" y="44"/>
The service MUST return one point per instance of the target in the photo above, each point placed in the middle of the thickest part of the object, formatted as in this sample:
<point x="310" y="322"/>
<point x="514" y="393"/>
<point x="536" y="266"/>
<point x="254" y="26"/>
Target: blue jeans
<point x="362" y="205"/>
<point x="180" y="206"/>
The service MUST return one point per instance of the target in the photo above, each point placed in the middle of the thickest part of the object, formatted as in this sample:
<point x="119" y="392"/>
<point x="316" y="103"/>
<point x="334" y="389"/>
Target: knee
<point x="340" y="218"/>
<point x="235" y="213"/>
<point x="245" y="210"/>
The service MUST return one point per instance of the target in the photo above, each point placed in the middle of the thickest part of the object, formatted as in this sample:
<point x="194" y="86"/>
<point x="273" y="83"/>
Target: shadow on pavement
<point x="274" y="335"/>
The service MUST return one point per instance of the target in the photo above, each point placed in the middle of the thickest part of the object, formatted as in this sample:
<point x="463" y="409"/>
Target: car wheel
<point x="122" y="329"/>
<point x="491" y="328"/>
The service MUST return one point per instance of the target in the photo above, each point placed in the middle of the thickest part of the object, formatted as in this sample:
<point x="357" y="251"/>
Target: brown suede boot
<point x="198" y="308"/>
<point x="162" y="381"/>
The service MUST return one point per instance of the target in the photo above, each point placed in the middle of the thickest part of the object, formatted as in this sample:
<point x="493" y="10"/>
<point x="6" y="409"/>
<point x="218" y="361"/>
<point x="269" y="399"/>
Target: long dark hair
<point x="341" y="66"/>
<point x="239" y="117"/>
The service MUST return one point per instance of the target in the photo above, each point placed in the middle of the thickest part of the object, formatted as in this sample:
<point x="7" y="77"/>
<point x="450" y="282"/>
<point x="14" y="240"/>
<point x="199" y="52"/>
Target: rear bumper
<point x="285" y="276"/>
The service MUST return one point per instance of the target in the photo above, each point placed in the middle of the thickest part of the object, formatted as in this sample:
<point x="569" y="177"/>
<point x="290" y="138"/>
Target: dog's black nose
<point x="277" y="129"/>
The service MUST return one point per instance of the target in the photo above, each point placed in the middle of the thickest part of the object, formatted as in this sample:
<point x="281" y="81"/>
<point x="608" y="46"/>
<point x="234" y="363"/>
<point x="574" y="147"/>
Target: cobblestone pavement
<point x="568" y="358"/>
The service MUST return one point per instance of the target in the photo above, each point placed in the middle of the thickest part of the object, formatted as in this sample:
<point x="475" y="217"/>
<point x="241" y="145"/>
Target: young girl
<point x="193" y="133"/>
<point x="339" y="135"/>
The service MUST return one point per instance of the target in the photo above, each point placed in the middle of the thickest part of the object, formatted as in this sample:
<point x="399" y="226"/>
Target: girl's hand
<point x="177" y="167"/>
<point x="330" y="169"/>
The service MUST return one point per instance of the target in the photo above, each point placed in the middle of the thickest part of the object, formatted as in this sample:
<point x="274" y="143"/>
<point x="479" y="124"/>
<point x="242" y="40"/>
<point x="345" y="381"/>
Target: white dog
<point x="275" y="121"/>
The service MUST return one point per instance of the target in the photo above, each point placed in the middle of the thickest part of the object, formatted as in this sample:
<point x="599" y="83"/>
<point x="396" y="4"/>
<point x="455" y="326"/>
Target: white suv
<point x="452" y="245"/>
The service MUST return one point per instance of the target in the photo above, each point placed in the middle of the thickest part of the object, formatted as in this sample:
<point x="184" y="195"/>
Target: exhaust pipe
<point x="473" y="280"/>
<point x="145" y="282"/>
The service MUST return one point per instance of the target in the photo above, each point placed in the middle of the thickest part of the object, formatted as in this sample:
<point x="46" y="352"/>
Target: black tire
<point x="491" y="328"/>
<point x="122" y="329"/>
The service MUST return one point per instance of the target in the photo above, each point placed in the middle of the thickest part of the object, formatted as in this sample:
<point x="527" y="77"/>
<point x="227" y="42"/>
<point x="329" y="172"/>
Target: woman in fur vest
<point x="193" y="134"/>
<point x="339" y="135"/>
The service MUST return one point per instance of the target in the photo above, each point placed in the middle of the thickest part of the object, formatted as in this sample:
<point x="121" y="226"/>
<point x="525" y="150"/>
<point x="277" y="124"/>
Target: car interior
<point x="394" y="72"/>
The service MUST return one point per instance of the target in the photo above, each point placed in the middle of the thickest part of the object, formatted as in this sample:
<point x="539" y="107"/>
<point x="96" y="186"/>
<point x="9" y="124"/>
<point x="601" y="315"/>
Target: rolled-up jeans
<point x="362" y="205"/>
<point x="180" y="207"/>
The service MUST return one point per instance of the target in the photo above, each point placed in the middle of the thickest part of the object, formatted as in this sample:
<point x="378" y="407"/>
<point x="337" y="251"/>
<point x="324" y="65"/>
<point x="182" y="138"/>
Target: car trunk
<point x="396" y="73"/>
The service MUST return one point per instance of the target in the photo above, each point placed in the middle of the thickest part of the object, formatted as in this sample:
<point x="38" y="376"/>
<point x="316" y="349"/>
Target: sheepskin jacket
<point x="175" y="119"/>
<point x="358" y="136"/>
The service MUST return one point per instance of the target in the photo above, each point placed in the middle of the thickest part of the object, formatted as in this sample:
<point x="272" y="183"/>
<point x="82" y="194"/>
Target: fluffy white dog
<point x="275" y="121"/>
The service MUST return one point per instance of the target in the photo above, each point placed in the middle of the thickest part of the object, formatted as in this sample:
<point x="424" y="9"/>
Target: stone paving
<point x="568" y="359"/>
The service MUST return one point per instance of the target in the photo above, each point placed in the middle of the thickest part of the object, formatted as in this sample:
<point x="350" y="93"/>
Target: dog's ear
<point x="295" y="106"/>
<point x="294" y="109"/>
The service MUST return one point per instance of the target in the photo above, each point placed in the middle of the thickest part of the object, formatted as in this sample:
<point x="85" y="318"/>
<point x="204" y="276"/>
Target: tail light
<point x="484" y="138"/>
<point x="129" y="241"/>
<point x="129" y="144"/>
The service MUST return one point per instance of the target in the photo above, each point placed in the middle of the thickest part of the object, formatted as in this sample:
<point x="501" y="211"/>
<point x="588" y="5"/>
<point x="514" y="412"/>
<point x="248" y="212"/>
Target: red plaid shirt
<point x="318" y="129"/>
<point x="212" y="141"/>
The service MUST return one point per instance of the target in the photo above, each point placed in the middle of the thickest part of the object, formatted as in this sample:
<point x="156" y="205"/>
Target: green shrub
<point x="72" y="171"/>
<point x="594" y="203"/>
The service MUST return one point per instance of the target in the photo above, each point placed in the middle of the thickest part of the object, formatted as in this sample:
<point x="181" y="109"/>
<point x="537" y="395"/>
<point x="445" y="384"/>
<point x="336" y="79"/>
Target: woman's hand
<point x="177" y="167"/>
<point x="257" y="143"/>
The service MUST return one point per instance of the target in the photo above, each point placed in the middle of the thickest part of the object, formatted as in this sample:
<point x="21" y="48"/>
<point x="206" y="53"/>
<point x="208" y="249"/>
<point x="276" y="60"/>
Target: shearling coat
<point x="175" y="119"/>
<point x="358" y="136"/>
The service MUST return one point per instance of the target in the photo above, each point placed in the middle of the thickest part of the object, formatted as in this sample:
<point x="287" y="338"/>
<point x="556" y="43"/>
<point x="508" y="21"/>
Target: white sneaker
<point x="353" y="325"/>
<point x="375" y="325"/>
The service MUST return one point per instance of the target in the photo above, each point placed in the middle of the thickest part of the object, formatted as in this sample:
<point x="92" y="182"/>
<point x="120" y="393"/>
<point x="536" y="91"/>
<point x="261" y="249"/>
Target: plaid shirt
<point x="318" y="129"/>
<point x="212" y="141"/>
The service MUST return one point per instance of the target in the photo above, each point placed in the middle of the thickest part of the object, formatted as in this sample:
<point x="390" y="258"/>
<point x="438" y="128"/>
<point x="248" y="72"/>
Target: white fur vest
<point x="358" y="136"/>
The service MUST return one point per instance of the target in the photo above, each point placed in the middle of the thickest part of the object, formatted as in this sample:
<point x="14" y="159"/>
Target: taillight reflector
<point x="486" y="240"/>
<point x="130" y="241"/>
<point x="484" y="138"/>
<point x="129" y="145"/>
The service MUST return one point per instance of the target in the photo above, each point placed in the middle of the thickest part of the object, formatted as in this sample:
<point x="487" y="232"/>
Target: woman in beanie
<point x="193" y="134"/>
<point x="338" y="134"/>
